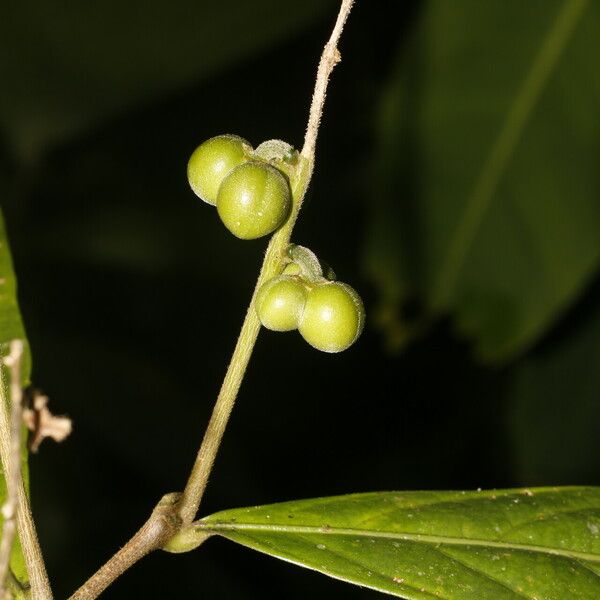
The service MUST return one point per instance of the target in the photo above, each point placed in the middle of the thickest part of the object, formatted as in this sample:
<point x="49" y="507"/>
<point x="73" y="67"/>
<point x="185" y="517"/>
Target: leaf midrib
<point x="517" y="117"/>
<point x="220" y="528"/>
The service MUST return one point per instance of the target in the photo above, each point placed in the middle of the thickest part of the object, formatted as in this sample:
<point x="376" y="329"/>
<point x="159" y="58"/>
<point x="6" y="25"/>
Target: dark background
<point x="132" y="294"/>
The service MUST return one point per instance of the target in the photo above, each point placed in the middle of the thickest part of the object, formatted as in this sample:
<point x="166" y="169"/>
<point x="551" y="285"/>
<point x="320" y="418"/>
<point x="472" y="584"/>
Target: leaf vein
<point x="545" y="517"/>
<point x="220" y="528"/>
<point x="481" y="573"/>
<point x="300" y="561"/>
<point x="587" y="568"/>
<point x="490" y="495"/>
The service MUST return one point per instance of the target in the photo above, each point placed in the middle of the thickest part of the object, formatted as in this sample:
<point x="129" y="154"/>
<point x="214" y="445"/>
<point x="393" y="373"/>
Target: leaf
<point x="81" y="62"/>
<point x="11" y="327"/>
<point x="541" y="543"/>
<point x="486" y="200"/>
<point x="555" y="405"/>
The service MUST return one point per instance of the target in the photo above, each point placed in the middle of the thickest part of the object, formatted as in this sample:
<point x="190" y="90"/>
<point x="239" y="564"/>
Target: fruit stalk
<point x="276" y="251"/>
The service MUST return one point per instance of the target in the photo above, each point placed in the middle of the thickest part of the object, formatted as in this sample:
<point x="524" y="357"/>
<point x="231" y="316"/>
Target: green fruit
<point x="333" y="317"/>
<point x="212" y="161"/>
<point x="280" y="302"/>
<point x="254" y="200"/>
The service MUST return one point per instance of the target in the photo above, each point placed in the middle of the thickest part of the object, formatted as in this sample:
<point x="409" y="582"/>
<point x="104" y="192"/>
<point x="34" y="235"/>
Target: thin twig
<point x="196" y="484"/>
<point x="330" y="57"/>
<point x="34" y="560"/>
<point x="12" y="471"/>
<point x="17" y="507"/>
<point x="198" y="479"/>
<point x="162" y="524"/>
<point x="183" y="512"/>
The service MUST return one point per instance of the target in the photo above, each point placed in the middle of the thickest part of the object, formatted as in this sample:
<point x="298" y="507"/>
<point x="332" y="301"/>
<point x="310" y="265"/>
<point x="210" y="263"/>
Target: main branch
<point x="16" y="509"/>
<point x="161" y="526"/>
<point x="194" y="490"/>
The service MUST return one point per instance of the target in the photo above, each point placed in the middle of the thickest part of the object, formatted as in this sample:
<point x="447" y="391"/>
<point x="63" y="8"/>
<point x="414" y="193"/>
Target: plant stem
<point x="194" y="489"/>
<point x="276" y="250"/>
<point x="329" y="58"/>
<point x="155" y="532"/>
<point x="160" y="527"/>
<point x="17" y="506"/>
<point x="11" y="460"/>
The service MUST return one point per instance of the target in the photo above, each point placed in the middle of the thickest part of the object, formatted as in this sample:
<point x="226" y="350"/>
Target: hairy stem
<point x="329" y="58"/>
<point x="11" y="461"/>
<point x="16" y="508"/>
<point x="196" y="484"/>
<point x="194" y="489"/>
<point x="182" y="512"/>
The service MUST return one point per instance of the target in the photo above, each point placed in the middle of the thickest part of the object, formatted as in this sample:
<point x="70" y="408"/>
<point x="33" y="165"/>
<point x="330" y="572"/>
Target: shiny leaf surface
<point x="539" y="543"/>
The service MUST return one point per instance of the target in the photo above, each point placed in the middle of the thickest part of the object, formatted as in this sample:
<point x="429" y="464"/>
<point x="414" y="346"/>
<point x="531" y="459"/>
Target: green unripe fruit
<point x="333" y="317"/>
<point x="212" y="161"/>
<point x="254" y="200"/>
<point x="280" y="303"/>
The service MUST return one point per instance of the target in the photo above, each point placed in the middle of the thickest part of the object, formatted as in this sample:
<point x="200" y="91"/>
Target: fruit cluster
<point x="251" y="191"/>
<point x="253" y="197"/>
<point x="328" y="314"/>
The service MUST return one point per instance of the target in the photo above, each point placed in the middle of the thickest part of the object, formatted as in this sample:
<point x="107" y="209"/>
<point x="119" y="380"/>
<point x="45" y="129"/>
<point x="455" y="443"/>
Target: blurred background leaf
<point x="486" y="202"/>
<point x="66" y="66"/>
<point x="555" y="408"/>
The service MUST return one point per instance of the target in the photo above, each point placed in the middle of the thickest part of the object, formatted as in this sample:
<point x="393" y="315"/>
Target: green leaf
<point x="81" y="62"/>
<point x="555" y="407"/>
<point x="485" y="198"/>
<point x="504" y="544"/>
<point x="11" y="327"/>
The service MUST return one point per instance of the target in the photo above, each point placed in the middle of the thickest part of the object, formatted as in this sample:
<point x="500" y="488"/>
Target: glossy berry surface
<point x="212" y="161"/>
<point x="254" y="200"/>
<point x="280" y="303"/>
<point x="333" y="317"/>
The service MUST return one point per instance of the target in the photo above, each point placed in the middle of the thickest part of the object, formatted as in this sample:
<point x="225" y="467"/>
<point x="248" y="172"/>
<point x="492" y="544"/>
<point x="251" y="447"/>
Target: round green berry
<point x="333" y="317"/>
<point x="280" y="302"/>
<point x="212" y="161"/>
<point x="254" y="200"/>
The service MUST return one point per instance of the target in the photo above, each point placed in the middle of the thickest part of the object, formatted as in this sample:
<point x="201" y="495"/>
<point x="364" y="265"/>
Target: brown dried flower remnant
<point x="42" y="423"/>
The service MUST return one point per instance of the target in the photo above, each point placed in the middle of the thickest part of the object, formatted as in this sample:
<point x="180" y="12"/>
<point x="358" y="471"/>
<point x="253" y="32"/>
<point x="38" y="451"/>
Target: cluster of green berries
<point x="328" y="314"/>
<point x="251" y="191"/>
<point x="253" y="197"/>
